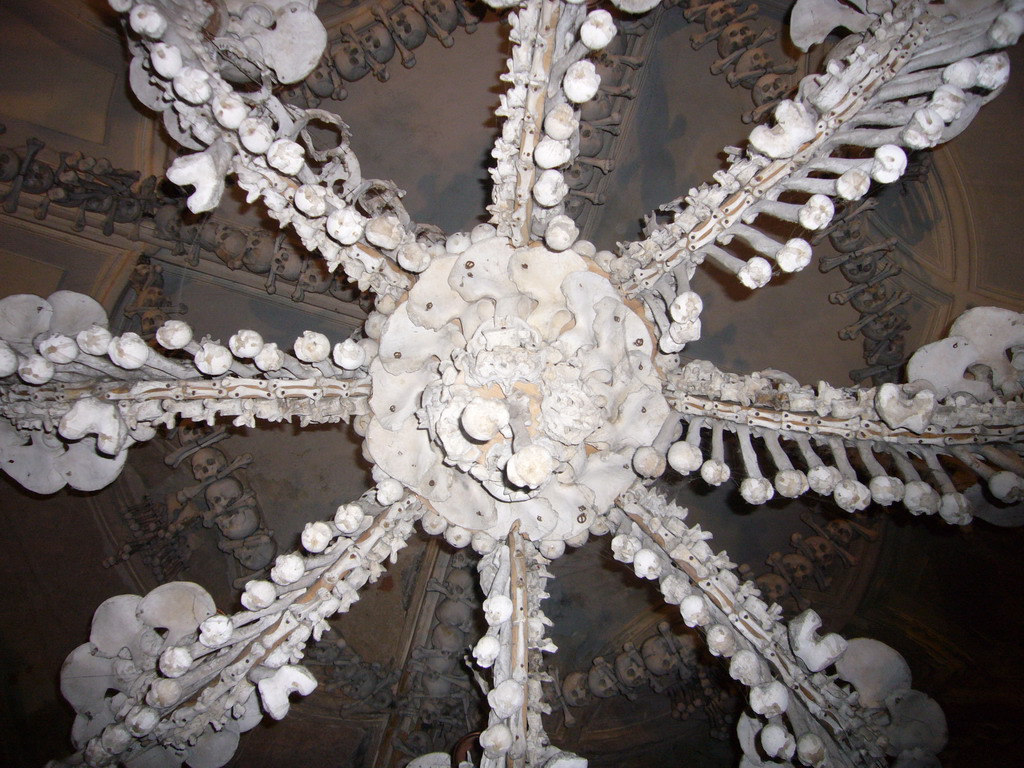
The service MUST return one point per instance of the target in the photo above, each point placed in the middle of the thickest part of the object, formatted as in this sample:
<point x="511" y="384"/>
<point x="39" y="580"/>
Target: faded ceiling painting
<point x="393" y="443"/>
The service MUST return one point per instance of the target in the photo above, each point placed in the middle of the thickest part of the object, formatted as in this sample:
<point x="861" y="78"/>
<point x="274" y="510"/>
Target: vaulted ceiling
<point x="944" y="597"/>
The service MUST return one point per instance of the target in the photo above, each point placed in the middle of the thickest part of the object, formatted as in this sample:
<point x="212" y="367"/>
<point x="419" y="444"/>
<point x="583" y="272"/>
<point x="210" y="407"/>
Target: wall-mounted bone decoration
<point x="512" y="397"/>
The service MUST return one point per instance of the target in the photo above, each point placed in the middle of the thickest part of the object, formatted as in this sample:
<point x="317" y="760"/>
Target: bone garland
<point x="80" y="184"/>
<point x="364" y="45"/>
<point x="740" y="49"/>
<point x="177" y="70"/>
<point x="668" y="663"/>
<point x="741" y="627"/>
<point x="437" y="701"/>
<point x="219" y="500"/>
<point x="863" y="88"/>
<point x="210" y="673"/>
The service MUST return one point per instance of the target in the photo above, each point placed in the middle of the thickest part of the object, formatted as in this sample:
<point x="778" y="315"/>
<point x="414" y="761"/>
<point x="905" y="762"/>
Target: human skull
<point x="575" y="690"/>
<point x="658" y="656"/>
<point x="151" y="320"/>
<point x="460" y="583"/>
<point x="848" y="235"/>
<point x="286" y="264"/>
<point x="755" y="60"/>
<point x="229" y="245"/>
<point x="454" y="613"/>
<point x="601" y="679"/>
<point x="719" y="13"/>
<point x="320" y="81"/>
<point x="448" y="640"/>
<point x="769" y="88"/>
<point x="735" y="37"/>
<point x="797" y="566"/>
<point x="821" y="550"/>
<point x="239" y="523"/>
<point x="256" y="552"/>
<point x="190" y="432"/>
<point x="840" y="531"/>
<point x="222" y="493"/>
<point x="774" y="588"/>
<point x="207" y="463"/>
<point x="260" y="252"/>
<point x="629" y="667"/>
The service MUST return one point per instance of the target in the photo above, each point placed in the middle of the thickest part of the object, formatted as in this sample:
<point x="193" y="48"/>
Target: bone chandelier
<point x="517" y="389"/>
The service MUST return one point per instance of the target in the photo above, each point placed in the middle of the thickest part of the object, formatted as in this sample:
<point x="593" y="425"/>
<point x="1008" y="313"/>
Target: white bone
<point x="175" y="661"/>
<point x="269" y="358"/>
<point x="174" y="334"/>
<point x="560" y="123"/>
<point x="349" y="355"/>
<point x="874" y="669"/>
<point x="486" y="651"/>
<point x="286" y="156"/>
<point x="215" y="631"/>
<point x="287" y="569"/>
<point x="506" y="698"/>
<point x="36" y="369"/>
<point x="213" y="359"/>
<point x="581" y="82"/>
<point x="258" y="594"/>
<point x="256" y="135"/>
<point x="496" y="740"/>
<point x="549" y="188"/>
<point x="193" y="85"/>
<point x="598" y="30"/>
<point x="147" y="21"/>
<point x="9" y="359"/>
<point x="275" y="690"/>
<point x="128" y="351"/>
<point x="90" y="416"/>
<point x="245" y="344"/>
<point x="229" y="110"/>
<point x="769" y="699"/>
<point x="816" y="653"/>
<point x="312" y="347"/>
<point x="316" y="536"/>
<point x="205" y="171"/>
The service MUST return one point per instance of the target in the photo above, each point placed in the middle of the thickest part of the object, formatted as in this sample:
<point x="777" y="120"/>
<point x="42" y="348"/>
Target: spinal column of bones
<point x="525" y="395"/>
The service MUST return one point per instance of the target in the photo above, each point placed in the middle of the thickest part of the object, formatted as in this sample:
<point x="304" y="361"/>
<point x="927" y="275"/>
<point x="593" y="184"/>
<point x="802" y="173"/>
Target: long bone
<point x="889" y="270"/>
<point x="175" y="458"/>
<point x="828" y="263"/>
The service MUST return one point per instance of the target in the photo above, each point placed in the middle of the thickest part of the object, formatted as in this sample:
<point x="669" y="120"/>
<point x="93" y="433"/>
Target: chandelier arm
<point x="513" y="576"/>
<point x="922" y="89"/>
<point x="211" y="672"/>
<point x="115" y="390"/>
<point x="766" y="655"/>
<point x="882" y="428"/>
<point x="179" y="68"/>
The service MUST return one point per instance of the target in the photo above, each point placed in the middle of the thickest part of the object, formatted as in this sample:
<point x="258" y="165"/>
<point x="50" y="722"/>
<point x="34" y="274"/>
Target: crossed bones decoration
<point x="519" y="390"/>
